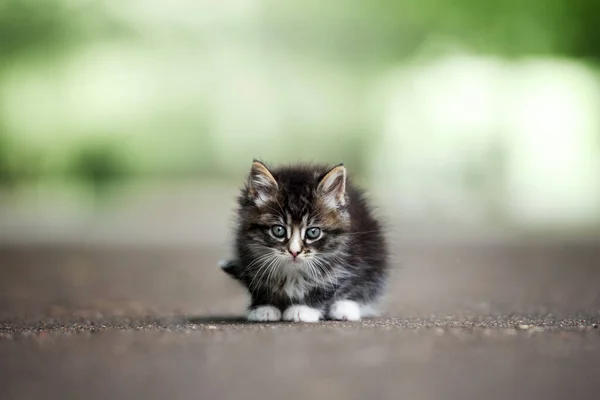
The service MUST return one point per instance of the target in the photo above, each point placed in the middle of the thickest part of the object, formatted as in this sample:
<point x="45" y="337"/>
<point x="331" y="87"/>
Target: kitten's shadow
<point x="218" y="319"/>
<point x="240" y="320"/>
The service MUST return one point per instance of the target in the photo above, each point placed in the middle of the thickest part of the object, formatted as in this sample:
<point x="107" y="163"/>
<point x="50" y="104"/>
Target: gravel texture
<point x="504" y="324"/>
<point x="461" y="322"/>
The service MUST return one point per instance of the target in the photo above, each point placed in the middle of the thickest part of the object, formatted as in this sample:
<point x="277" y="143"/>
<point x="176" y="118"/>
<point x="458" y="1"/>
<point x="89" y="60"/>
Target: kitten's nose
<point x="293" y="253"/>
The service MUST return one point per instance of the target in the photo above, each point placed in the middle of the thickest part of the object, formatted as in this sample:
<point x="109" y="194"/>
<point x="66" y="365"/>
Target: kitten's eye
<point x="278" y="231"/>
<point x="313" y="233"/>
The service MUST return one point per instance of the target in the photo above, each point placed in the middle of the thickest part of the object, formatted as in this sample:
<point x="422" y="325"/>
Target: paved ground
<point x="464" y="320"/>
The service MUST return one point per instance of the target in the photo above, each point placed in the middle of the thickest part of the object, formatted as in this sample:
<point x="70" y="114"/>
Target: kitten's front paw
<point x="345" y="310"/>
<point x="264" y="313"/>
<point x="301" y="314"/>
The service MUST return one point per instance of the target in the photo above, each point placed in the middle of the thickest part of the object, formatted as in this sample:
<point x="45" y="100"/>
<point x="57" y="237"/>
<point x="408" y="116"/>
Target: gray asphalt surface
<point x="469" y="320"/>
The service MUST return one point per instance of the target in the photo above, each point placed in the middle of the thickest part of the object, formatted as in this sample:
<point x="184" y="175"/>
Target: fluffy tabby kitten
<point x="307" y="246"/>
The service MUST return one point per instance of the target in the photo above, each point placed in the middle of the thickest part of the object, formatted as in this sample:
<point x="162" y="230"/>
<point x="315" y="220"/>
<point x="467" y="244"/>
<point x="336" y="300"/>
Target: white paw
<point x="345" y="310"/>
<point x="264" y="313"/>
<point x="223" y="263"/>
<point x="301" y="314"/>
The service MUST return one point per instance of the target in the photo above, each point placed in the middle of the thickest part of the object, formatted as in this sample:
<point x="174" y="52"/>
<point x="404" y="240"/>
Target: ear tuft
<point x="332" y="187"/>
<point x="261" y="183"/>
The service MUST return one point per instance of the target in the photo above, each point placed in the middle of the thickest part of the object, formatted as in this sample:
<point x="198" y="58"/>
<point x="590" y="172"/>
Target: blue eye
<point x="278" y="231"/>
<point x="313" y="233"/>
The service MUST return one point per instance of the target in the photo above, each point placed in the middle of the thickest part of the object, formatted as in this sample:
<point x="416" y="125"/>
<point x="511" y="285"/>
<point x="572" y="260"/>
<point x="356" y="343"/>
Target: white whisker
<point x="260" y="259"/>
<point x="261" y="271"/>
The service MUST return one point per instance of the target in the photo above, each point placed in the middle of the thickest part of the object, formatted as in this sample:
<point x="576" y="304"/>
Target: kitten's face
<point x="295" y="217"/>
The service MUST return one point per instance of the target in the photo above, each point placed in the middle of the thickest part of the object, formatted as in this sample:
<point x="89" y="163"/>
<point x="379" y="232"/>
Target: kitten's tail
<point x="231" y="268"/>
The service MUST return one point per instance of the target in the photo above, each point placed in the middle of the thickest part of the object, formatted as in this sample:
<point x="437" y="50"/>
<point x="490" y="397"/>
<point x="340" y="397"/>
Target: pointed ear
<point x="261" y="184"/>
<point x="332" y="187"/>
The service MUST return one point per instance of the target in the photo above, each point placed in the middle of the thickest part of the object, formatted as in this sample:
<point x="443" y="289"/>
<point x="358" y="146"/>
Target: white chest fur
<point x="295" y="285"/>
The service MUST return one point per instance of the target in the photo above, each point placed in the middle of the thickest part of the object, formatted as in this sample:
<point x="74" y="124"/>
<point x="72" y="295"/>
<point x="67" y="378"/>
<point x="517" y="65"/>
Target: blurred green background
<point x="453" y="114"/>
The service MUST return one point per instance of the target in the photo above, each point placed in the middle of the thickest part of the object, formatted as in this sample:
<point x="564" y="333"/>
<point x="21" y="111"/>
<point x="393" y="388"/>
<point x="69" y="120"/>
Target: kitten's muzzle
<point x="294" y="253"/>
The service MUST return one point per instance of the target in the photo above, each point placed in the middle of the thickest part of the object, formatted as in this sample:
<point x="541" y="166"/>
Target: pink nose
<point x="293" y="253"/>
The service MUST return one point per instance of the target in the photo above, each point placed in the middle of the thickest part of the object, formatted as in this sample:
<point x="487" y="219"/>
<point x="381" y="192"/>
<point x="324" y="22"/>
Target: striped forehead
<point x="298" y="210"/>
<point x="290" y="220"/>
<point x="298" y="201"/>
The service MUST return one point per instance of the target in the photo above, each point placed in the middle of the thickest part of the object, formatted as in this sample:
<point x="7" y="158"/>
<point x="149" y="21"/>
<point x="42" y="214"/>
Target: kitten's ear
<point x="261" y="184"/>
<point x="332" y="187"/>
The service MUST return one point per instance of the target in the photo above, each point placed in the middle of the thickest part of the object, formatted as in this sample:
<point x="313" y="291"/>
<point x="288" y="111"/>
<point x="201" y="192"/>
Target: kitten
<point x="307" y="246"/>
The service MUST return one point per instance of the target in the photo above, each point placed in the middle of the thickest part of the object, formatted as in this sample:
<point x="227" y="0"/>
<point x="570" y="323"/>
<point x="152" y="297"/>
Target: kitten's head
<point x="297" y="215"/>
